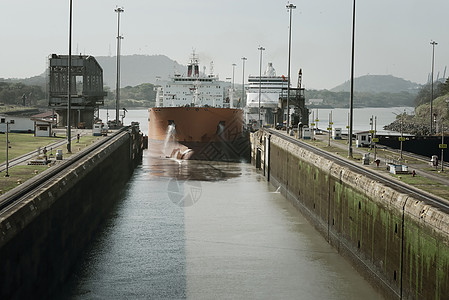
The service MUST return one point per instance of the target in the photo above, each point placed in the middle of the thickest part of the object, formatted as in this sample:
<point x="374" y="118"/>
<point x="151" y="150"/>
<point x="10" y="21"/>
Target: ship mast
<point x="193" y="68"/>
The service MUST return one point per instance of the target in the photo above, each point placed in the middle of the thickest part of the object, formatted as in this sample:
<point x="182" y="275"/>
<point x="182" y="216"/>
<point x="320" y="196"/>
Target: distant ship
<point x="272" y="88"/>
<point x="191" y="119"/>
<point x="273" y="95"/>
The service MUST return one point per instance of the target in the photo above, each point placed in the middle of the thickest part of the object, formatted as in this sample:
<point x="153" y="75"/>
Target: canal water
<point x="209" y="230"/>
<point x="339" y="116"/>
<point x="199" y="230"/>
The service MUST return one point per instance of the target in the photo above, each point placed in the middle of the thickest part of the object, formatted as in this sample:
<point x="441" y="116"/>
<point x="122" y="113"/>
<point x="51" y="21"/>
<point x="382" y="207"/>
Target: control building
<point x="87" y="93"/>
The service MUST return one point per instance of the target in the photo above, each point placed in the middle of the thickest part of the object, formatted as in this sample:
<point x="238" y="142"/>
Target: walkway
<point x="437" y="182"/>
<point x="25" y="158"/>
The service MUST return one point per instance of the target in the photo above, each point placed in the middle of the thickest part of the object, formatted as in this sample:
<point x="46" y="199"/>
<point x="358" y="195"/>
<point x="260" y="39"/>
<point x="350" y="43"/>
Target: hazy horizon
<point x="392" y="37"/>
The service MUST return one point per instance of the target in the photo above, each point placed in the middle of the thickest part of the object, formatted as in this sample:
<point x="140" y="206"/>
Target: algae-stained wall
<point x="399" y="242"/>
<point x="41" y="239"/>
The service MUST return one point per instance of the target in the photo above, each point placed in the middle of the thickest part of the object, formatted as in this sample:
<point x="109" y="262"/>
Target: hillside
<point x="370" y="90"/>
<point x="379" y="84"/>
<point x="361" y="99"/>
<point x="419" y="123"/>
<point x="137" y="69"/>
<point x="39" y="80"/>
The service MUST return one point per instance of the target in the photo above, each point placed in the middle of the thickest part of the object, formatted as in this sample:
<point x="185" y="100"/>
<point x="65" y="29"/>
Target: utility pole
<point x="7" y="150"/>
<point x="442" y="145"/>
<point x="402" y="133"/>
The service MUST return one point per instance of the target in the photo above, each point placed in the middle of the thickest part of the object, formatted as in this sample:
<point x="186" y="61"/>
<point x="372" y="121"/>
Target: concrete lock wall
<point x="400" y="243"/>
<point x="42" y="237"/>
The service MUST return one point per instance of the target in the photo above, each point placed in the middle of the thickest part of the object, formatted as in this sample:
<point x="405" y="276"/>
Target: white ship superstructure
<point x="195" y="89"/>
<point x="272" y="88"/>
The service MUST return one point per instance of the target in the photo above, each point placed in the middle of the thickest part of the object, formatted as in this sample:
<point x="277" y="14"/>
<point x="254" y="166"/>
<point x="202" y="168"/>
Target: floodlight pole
<point x="69" y="84"/>
<point x="290" y="8"/>
<point x="118" y="10"/>
<point x="232" y="98"/>
<point x="260" y="81"/>
<point x="243" y="79"/>
<point x="351" y="106"/>
<point x="433" y="43"/>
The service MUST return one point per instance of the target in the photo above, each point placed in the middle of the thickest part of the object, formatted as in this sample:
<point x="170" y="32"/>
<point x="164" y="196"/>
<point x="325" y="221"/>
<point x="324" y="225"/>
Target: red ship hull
<point x="206" y="133"/>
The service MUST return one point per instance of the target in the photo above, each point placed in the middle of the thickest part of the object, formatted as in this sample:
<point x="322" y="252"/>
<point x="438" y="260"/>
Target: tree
<point x="425" y="93"/>
<point x="445" y="87"/>
<point x="21" y="94"/>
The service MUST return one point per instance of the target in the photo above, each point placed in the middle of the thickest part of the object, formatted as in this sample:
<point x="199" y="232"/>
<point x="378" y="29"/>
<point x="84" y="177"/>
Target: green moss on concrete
<point x="428" y="257"/>
<point x="376" y="223"/>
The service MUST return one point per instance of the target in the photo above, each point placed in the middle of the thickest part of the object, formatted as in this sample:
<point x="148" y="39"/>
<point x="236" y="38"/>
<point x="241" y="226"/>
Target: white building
<point x="42" y="128"/>
<point x="16" y="123"/>
<point x="363" y="139"/>
<point x="43" y="123"/>
<point x="315" y="102"/>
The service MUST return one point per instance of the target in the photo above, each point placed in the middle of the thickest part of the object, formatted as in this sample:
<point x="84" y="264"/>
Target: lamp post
<point x="401" y="138"/>
<point x="243" y="79"/>
<point x="433" y="43"/>
<point x="232" y="86"/>
<point x="118" y="10"/>
<point x="7" y="150"/>
<point x="260" y="81"/>
<point x="69" y="84"/>
<point x="375" y="130"/>
<point x="443" y="146"/>
<point x="290" y="8"/>
<point x="351" y="105"/>
<point x="329" y="129"/>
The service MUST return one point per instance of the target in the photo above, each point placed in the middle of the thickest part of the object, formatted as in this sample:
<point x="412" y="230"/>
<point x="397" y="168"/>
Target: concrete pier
<point x="43" y="233"/>
<point x="400" y="242"/>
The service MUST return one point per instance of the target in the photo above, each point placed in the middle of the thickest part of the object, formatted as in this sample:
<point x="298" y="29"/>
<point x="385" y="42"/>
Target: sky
<point x="392" y="36"/>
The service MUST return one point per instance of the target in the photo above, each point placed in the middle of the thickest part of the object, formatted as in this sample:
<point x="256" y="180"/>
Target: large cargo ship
<point x="191" y="119"/>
